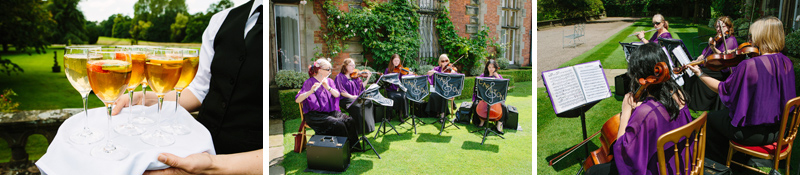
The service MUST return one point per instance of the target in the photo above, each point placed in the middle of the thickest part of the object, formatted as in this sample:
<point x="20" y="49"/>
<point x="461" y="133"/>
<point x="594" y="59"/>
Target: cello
<point x="611" y="127"/>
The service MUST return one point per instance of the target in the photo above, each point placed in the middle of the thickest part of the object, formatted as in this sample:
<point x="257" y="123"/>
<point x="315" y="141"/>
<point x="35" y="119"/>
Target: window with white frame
<point x="429" y="39"/>
<point x="509" y="27"/>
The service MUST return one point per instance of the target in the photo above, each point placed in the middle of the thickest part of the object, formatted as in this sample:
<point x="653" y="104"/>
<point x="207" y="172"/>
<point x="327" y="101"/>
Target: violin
<point x="401" y="70"/>
<point x="449" y="68"/>
<point x="495" y="111"/>
<point x="611" y="127"/>
<point x="361" y="73"/>
<point x="721" y="61"/>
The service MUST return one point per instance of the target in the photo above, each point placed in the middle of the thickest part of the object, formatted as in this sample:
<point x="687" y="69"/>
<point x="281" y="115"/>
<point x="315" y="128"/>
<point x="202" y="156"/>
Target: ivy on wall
<point x="472" y="49"/>
<point x="384" y="28"/>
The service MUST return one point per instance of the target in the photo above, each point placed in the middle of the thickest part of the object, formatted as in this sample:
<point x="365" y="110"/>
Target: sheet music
<point x="678" y="78"/>
<point x="564" y="88"/>
<point x="593" y="81"/>
<point x="682" y="58"/>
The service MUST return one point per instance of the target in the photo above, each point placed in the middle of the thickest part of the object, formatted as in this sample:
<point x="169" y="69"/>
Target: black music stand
<point x="448" y="86"/>
<point x="492" y="91"/>
<point x="370" y="94"/>
<point x="416" y="91"/>
<point x="385" y="80"/>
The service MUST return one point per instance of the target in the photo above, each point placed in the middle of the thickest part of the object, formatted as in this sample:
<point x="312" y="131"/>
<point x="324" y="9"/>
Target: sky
<point x="99" y="10"/>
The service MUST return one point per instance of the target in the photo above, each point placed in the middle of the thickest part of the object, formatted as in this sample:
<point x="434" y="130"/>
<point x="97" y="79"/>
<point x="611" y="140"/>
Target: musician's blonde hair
<point x="345" y="62"/>
<point x="767" y="34"/>
<point x="443" y="56"/>
<point x="663" y="20"/>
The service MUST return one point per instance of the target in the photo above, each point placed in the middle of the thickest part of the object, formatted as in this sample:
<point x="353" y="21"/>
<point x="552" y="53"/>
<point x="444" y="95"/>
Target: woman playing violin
<point x="320" y="99"/>
<point x="662" y="30"/>
<point x="659" y="109"/>
<point x="490" y="70"/>
<point x="399" y="97"/>
<point x="754" y="94"/>
<point x="436" y="103"/>
<point x="703" y="98"/>
<point x="350" y="88"/>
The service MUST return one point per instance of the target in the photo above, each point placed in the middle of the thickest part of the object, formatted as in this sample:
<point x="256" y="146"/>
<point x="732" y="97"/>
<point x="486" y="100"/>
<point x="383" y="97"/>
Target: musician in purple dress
<point x="320" y="99"/>
<point x="703" y="98"/>
<point x="662" y="30"/>
<point x="437" y="105"/>
<point x="754" y="94"/>
<point x="350" y="88"/>
<point x="392" y="91"/>
<point x="661" y="108"/>
<point x="490" y="70"/>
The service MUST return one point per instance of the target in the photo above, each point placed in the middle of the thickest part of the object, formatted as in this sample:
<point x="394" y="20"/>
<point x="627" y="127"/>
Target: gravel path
<point x="550" y="55"/>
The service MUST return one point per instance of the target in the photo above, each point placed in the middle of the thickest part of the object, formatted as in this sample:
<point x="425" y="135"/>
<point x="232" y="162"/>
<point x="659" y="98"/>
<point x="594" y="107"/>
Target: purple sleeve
<point x="306" y="87"/>
<point x="633" y="150"/>
<point x="340" y="80"/>
<point x="736" y="91"/>
<point x="335" y="99"/>
<point x="731" y="43"/>
<point x="436" y="69"/>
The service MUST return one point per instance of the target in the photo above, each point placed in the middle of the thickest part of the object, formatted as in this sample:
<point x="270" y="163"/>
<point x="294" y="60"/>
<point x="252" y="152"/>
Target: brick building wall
<point x="527" y="24"/>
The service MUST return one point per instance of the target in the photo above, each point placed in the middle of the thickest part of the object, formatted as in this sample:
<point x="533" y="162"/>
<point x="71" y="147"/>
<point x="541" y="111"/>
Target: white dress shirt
<point x="200" y="84"/>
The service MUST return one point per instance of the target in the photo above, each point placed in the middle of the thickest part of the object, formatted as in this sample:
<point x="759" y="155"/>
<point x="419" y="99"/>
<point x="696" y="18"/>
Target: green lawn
<point x="610" y="53"/>
<point x="556" y="135"/>
<point x="456" y="151"/>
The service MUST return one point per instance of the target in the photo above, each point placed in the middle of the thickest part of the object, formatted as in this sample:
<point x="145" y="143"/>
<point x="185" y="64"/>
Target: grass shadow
<point x="295" y="163"/>
<point x="470" y="145"/>
<point x="576" y="157"/>
<point x="435" y="138"/>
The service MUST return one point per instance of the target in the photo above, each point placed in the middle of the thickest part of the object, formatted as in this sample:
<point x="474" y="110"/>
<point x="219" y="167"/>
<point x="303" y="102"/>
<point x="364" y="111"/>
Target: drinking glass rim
<point x="83" y="47"/>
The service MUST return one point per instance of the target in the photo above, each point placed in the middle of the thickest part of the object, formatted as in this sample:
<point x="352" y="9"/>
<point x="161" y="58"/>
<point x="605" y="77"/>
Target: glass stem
<point x="109" y="145"/>
<point x="130" y="105"/>
<point x="86" y="112"/>
<point x="177" y="99"/>
<point x="160" y="103"/>
<point x="144" y="96"/>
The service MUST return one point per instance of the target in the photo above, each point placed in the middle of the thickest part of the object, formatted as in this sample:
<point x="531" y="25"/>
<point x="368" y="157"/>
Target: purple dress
<point x="355" y="87"/>
<point x="351" y="86"/>
<point x="321" y="100"/>
<point x="758" y="89"/>
<point x="635" y="151"/>
<point x="392" y="87"/>
<point x="731" y="43"/>
<point x="399" y="97"/>
<point x="654" y="39"/>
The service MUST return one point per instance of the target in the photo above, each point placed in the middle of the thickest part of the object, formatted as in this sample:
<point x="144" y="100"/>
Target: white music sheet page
<point x="683" y="58"/>
<point x="564" y="89"/>
<point x="593" y="81"/>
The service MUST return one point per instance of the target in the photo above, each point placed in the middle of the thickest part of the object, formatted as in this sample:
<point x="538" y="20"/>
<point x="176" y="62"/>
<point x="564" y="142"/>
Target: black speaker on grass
<point x="328" y="153"/>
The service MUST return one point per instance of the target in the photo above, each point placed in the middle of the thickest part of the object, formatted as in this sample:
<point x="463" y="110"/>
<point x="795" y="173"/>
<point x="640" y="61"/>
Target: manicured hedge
<point x="519" y="75"/>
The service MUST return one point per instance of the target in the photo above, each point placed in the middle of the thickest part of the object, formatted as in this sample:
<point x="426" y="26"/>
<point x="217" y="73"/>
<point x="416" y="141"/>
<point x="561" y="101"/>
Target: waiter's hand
<point x="193" y="164"/>
<point x="123" y="101"/>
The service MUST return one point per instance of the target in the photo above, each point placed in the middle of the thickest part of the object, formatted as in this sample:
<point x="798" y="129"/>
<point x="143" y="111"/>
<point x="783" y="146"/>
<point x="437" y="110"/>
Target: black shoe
<point x="499" y="132"/>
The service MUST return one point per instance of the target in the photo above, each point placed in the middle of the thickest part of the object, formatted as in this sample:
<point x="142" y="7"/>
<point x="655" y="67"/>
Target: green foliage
<point x="502" y="62"/>
<point x="731" y="8"/>
<point x="793" y="44"/>
<point x="195" y="27"/>
<point x="69" y="22"/>
<point x="7" y="67"/>
<point x="742" y="30"/>
<point x="122" y="26"/>
<point x="107" y="26"/>
<point x="26" y="25"/>
<point x="384" y="28"/>
<point x="423" y="69"/>
<point x="519" y="75"/>
<point x="557" y="9"/>
<point x="289" y="109"/>
<point x="6" y="104"/>
<point x="178" y="28"/>
<point x="289" y="79"/>
<point x="477" y="69"/>
<point x="92" y="32"/>
<point x="219" y="6"/>
<point x="139" y="31"/>
<point x="472" y="50"/>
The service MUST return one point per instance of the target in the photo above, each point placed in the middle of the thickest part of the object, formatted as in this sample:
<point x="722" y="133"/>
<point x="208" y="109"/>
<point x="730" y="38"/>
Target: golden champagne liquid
<point x="137" y="74"/>
<point x="108" y="85"/>
<point x="162" y="75"/>
<point x="75" y="68"/>
<point x="188" y="71"/>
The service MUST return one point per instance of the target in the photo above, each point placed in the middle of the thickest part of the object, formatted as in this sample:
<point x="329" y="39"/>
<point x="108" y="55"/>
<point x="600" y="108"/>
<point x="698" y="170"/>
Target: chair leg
<point x="730" y="155"/>
<point x="788" y="158"/>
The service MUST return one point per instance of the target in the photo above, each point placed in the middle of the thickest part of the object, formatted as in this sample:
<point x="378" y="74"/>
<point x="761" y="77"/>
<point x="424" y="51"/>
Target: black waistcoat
<point x="232" y="111"/>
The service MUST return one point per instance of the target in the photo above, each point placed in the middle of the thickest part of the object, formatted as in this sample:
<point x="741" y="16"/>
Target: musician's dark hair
<point x="641" y="65"/>
<point x="391" y="62"/>
<point x="486" y="68"/>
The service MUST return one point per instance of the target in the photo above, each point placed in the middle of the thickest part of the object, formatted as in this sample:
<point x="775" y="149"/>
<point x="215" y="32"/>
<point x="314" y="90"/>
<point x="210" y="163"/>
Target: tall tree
<point x="178" y="28"/>
<point x="219" y="6"/>
<point x="25" y="24"/>
<point x="107" y="26"/>
<point x="122" y="26"/>
<point x="92" y="32"/>
<point x="69" y="22"/>
<point x="196" y="26"/>
<point x="139" y="30"/>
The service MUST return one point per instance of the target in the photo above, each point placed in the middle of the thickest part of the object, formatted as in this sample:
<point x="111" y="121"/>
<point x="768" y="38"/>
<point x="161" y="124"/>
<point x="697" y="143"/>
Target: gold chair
<point x="300" y="137"/>
<point x="785" y="141"/>
<point x="695" y="129"/>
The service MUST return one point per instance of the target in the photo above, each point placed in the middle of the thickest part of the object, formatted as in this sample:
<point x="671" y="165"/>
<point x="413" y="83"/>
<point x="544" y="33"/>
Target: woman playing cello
<point x="490" y="70"/>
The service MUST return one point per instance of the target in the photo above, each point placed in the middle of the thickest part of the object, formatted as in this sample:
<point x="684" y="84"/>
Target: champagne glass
<point x="137" y="73"/>
<point x="148" y="51"/>
<point x="162" y="70"/>
<point x="109" y="76"/>
<point x="188" y="71"/>
<point x="75" y="59"/>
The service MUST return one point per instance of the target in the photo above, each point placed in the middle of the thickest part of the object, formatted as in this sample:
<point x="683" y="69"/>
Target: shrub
<point x="289" y="109"/>
<point x="502" y="62"/>
<point x="742" y="26"/>
<point x="518" y="75"/>
<point x="423" y="69"/>
<point x="6" y="104"/>
<point x="477" y="68"/>
<point x="289" y="79"/>
<point x="793" y="43"/>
